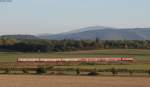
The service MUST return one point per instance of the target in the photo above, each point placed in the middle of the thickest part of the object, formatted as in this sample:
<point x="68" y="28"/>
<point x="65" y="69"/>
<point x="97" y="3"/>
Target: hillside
<point x="103" y="33"/>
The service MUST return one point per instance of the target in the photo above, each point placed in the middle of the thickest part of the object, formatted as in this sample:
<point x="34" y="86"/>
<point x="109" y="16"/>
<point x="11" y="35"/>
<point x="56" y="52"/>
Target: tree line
<point x="7" y="44"/>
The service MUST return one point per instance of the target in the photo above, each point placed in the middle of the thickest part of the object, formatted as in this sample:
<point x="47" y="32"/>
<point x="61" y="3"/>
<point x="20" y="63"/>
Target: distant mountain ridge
<point x="20" y="37"/>
<point x="103" y="33"/>
<point x="93" y="32"/>
<point x="89" y="29"/>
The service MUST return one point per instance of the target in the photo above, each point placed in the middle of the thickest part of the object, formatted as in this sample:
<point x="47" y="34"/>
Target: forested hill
<point x="103" y="33"/>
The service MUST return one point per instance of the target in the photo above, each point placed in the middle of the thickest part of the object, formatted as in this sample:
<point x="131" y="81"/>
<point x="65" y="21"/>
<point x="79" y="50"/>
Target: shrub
<point x="40" y="70"/>
<point x="114" y="71"/>
<point x="24" y="71"/>
<point x="131" y="72"/>
<point x="78" y="71"/>
<point x="149" y="72"/>
<point x="7" y="71"/>
<point x="93" y="73"/>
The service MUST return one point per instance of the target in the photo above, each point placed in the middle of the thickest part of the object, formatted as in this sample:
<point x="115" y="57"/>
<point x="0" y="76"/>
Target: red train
<point x="84" y="60"/>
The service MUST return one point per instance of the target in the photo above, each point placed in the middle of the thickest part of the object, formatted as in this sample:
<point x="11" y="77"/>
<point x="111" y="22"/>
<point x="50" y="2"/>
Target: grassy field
<point x="138" y="54"/>
<point x="128" y="66"/>
<point x="135" y="53"/>
<point x="71" y="81"/>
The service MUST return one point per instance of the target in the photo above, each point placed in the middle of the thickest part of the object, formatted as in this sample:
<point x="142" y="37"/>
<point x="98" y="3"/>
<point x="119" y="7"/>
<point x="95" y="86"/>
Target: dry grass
<point x="71" y="81"/>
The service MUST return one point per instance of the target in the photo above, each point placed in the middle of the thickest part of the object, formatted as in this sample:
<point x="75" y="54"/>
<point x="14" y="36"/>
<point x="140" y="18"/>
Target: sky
<point x="55" y="16"/>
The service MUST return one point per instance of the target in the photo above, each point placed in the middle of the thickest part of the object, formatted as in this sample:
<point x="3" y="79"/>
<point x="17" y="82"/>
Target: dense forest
<point x="7" y="44"/>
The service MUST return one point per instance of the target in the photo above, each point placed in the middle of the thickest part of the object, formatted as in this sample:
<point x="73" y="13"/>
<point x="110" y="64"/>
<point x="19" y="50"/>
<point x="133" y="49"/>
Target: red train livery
<point x="86" y="60"/>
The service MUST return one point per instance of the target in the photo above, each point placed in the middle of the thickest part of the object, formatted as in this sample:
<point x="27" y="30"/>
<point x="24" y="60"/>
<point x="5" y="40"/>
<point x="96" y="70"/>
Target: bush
<point x="7" y="71"/>
<point x="41" y="70"/>
<point x="24" y="71"/>
<point x="131" y="72"/>
<point x="149" y="72"/>
<point x="78" y="71"/>
<point x="114" y="71"/>
<point x="93" y="73"/>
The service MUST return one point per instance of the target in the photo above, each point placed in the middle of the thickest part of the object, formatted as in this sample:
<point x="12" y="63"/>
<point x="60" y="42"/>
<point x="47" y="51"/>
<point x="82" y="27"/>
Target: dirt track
<point x="71" y="81"/>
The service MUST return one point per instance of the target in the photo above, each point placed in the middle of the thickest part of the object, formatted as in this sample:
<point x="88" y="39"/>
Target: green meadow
<point x="138" y="54"/>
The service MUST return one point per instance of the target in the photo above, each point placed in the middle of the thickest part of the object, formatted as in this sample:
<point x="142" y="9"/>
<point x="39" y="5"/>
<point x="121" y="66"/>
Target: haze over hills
<point x="20" y="37"/>
<point x="88" y="29"/>
<point x="103" y="33"/>
<point x="93" y="32"/>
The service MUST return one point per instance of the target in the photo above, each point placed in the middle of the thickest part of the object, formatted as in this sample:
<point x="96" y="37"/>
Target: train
<point x="73" y="60"/>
